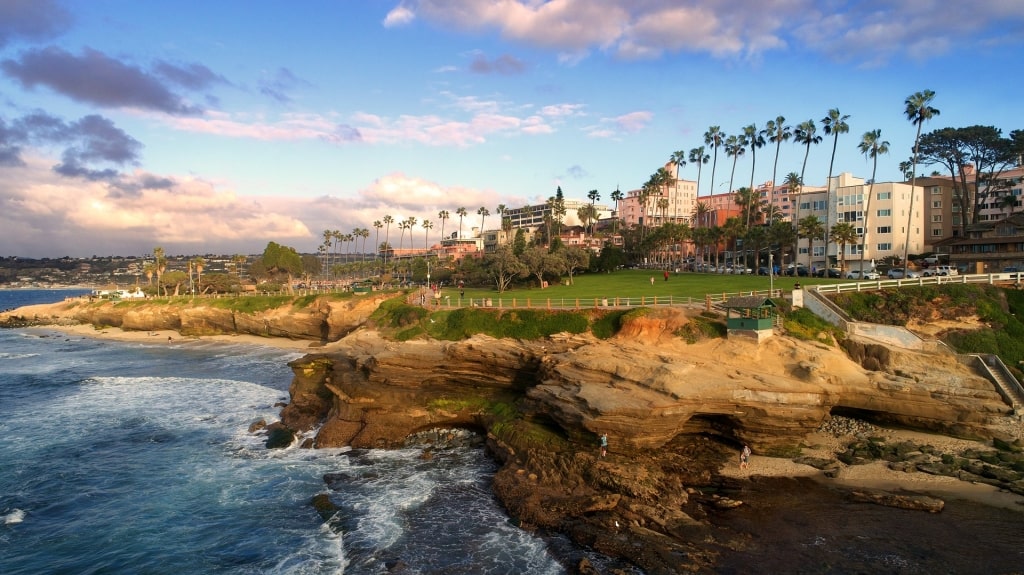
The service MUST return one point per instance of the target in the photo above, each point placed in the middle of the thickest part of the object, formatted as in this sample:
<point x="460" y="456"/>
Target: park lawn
<point x="636" y="284"/>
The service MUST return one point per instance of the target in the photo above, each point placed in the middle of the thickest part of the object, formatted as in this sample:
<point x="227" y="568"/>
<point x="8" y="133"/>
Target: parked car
<point x="829" y="273"/>
<point x="859" y="275"/>
<point x="897" y="274"/>
<point x="797" y="270"/>
<point x="763" y="271"/>
<point x="940" y="271"/>
<point x="1011" y="269"/>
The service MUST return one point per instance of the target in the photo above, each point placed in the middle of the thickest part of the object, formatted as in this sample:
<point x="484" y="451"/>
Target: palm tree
<point x="159" y="265"/>
<point x="806" y="134"/>
<point x="844" y="233"/>
<point x="149" y="270"/>
<point x="593" y="196"/>
<point x="700" y="157"/>
<point x="387" y="238"/>
<point x="238" y="260"/>
<point x="872" y="146"/>
<point x="443" y="215"/>
<point x="364" y="233"/>
<point x="905" y="169"/>
<point x="617" y="196"/>
<point x="810" y="228"/>
<point x="377" y="225"/>
<point x="461" y="212"/>
<point x="732" y="230"/>
<point x="834" y="124"/>
<point x="199" y="263"/>
<point x="755" y="140"/>
<point x="427" y="226"/>
<point x="679" y="159"/>
<point x="1008" y="202"/>
<point x="714" y="138"/>
<point x="483" y="213"/>
<point x="783" y="234"/>
<point x="735" y="146"/>
<point x="702" y="209"/>
<point x="328" y="236"/>
<point x="777" y="132"/>
<point x="918" y="110"/>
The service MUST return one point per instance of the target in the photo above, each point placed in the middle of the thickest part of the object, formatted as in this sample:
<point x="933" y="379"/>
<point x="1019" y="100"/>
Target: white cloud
<point x="399" y="16"/>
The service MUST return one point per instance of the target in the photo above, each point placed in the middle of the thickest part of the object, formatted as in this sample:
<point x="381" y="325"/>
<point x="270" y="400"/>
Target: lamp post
<point x="771" y="275"/>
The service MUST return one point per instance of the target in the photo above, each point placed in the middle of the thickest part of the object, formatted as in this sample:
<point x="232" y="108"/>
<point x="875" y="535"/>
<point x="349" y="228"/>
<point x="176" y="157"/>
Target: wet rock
<point x="912" y="502"/>
<point x="324" y="506"/>
<point x="279" y="436"/>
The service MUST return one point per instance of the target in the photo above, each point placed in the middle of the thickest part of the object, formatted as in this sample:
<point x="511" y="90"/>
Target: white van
<point x="940" y="271"/>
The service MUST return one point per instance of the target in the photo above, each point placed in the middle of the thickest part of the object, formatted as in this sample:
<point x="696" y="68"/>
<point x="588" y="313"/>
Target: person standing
<point x="666" y="275"/>
<point x="604" y="444"/>
<point x="744" y="456"/>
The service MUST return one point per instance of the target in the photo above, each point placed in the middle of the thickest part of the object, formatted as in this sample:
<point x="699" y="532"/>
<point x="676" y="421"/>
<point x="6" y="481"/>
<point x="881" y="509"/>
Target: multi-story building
<point x="533" y="216"/>
<point x="679" y="197"/>
<point x="945" y="215"/>
<point x="988" y="247"/>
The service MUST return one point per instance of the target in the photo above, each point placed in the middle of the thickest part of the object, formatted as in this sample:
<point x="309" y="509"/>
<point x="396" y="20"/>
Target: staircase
<point x="1007" y="385"/>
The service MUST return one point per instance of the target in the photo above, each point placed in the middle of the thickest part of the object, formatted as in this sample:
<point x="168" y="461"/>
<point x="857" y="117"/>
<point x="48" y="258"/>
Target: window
<point x="936" y="204"/>
<point x="819" y="205"/>
<point x="884" y="213"/>
<point x="885" y="195"/>
<point x="936" y="190"/>
<point x="887" y="246"/>
<point x="936" y="218"/>
<point x="936" y="232"/>
<point x="885" y="229"/>
<point x="819" y="251"/>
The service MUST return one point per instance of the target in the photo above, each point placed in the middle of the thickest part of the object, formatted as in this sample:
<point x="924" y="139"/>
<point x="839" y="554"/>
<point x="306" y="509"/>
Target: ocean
<point x="137" y="458"/>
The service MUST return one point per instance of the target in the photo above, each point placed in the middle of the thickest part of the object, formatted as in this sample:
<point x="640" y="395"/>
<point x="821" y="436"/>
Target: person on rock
<point x="604" y="444"/>
<point x="744" y="456"/>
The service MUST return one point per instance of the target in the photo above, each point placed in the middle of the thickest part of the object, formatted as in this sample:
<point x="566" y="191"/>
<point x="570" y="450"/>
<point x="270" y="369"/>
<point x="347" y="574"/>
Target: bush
<point x="803" y="324"/>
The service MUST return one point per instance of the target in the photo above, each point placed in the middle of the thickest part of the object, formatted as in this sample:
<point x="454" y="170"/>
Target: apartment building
<point x="532" y="217"/>
<point x="679" y="197"/>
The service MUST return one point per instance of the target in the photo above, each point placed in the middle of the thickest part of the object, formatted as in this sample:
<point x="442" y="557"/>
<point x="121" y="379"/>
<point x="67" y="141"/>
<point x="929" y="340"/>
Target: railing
<point x="991" y="279"/>
<point x="448" y="302"/>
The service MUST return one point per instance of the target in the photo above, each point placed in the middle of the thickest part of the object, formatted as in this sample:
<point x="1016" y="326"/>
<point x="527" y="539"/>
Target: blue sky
<point x="215" y="127"/>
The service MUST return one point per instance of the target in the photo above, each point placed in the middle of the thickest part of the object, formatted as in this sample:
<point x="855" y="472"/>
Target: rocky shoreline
<point x="675" y="413"/>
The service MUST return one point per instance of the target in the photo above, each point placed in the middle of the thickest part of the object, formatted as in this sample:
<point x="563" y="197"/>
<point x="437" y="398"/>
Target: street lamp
<point x="771" y="275"/>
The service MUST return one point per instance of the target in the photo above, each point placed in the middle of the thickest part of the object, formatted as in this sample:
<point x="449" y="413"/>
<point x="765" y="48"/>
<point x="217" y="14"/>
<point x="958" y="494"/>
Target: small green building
<point x="751" y="316"/>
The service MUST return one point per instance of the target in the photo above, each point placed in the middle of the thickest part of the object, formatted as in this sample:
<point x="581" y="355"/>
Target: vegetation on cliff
<point x="999" y="329"/>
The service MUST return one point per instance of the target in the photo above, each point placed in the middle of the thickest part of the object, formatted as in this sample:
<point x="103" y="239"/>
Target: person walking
<point x="744" y="456"/>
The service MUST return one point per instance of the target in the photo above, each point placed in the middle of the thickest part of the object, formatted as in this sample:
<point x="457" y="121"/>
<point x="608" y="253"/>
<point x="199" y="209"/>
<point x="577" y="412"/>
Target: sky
<point x="215" y="127"/>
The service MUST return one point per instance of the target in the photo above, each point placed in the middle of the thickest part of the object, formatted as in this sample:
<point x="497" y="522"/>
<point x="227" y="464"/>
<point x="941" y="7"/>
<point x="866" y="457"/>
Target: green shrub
<point x="803" y="324"/>
<point x="608" y="324"/>
<point x="701" y="328"/>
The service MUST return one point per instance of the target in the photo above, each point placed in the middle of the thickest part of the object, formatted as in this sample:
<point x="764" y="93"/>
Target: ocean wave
<point x="15" y="516"/>
<point x="4" y="355"/>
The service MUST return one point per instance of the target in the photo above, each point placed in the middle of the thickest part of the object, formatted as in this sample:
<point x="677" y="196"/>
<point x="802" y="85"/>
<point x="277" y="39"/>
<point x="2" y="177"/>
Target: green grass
<point x="634" y="284"/>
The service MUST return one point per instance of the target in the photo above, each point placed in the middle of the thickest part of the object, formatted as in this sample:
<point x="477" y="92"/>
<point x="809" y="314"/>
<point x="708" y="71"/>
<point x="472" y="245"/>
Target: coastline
<point x="875" y="476"/>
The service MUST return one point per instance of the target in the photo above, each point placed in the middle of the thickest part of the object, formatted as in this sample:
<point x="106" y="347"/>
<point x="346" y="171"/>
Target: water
<point x="136" y="458"/>
<point x="15" y="298"/>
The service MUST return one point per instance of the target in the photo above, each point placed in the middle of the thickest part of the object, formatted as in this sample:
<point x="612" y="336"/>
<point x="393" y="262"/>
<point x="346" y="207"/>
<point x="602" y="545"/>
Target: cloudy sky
<point x="215" y="127"/>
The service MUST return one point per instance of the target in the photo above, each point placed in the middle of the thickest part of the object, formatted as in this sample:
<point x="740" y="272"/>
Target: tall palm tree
<point x="461" y="212"/>
<point x="700" y="157"/>
<point x="834" y="124"/>
<point x="159" y="265"/>
<point x="755" y="139"/>
<point x="844" y="233"/>
<point x="806" y="134"/>
<point x="593" y="196"/>
<point x="735" y="146"/>
<point x="199" y="263"/>
<point x="443" y="215"/>
<point x="483" y="213"/>
<point x="714" y="138"/>
<point x="364" y="233"/>
<point x="872" y="146"/>
<point x="679" y="159"/>
<point x="616" y="196"/>
<point x="377" y="225"/>
<point x="328" y="236"/>
<point x="777" y="132"/>
<point x="387" y="238"/>
<point x="427" y="226"/>
<point x="701" y="209"/>
<point x="918" y="110"/>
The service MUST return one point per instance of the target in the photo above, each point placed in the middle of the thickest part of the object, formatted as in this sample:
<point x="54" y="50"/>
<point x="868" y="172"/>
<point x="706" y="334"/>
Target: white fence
<point x="1000" y="278"/>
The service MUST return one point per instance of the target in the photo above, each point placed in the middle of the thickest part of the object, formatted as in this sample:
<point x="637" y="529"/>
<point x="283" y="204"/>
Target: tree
<point x="610" y="258"/>
<point x="576" y="258"/>
<point x="443" y="215"/>
<point x="238" y="260"/>
<point x="700" y="157"/>
<point x="617" y="197"/>
<point x="918" y="110"/>
<point x="279" y="259"/>
<point x="782" y="234"/>
<point x="199" y="263"/>
<point x="461" y="212"/>
<point x="844" y="233"/>
<point x="539" y="262"/>
<point x="777" y="132"/>
<point x="811" y="228"/>
<point x="872" y="146"/>
<point x="159" y="265"/>
<point x="328" y="236"/>
<point x="835" y="124"/>
<point x="714" y="138"/>
<point x="387" y="238"/>
<point x="519" y="243"/>
<point x="733" y="229"/>
<point x="427" y="226"/>
<point x="755" y="140"/>
<point x="734" y="147"/>
<point x="806" y="134"/>
<point x="593" y="196"/>
<point x="558" y="210"/>
<point x="502" y="266"/>
<point x="483" y="213"/>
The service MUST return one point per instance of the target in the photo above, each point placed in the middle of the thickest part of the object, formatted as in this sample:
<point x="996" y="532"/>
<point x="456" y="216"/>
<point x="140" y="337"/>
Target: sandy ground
<point x="820" y="444"/>
<point x="877" y="476"/>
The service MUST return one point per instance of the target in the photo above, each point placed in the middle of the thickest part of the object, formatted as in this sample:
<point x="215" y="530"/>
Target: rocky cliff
<point x="673" y="411"/>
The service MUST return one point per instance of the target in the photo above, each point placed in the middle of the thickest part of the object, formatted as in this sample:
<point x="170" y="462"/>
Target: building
<point x="533" y="217"/>
<point x="988" y="247"/>
<point x="679" y="197"/>
<point x="944" y="212"/>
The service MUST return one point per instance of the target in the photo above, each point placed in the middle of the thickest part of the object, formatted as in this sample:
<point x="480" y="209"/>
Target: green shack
<point x="750" y="316"/>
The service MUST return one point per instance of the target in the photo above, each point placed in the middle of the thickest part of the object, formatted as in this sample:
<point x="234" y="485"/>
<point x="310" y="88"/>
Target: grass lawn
<point x="636" y="284"/>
